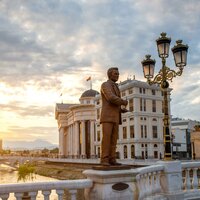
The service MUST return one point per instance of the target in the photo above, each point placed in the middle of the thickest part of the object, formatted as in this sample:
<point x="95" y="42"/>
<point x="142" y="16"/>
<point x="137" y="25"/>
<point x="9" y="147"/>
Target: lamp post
<point x="164" y="75"/>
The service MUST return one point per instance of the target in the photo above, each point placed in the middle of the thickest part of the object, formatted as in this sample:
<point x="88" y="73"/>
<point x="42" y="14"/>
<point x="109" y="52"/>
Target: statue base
<point x="111" y="183"/>
<point x="112" y="167"/>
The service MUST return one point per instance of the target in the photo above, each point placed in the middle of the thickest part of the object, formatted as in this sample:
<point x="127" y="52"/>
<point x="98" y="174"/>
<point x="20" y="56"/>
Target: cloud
<point x="48" y="48"/>
<point x="25" y="111"/>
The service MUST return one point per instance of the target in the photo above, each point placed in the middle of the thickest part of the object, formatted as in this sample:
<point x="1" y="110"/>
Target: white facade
<point x="140" y="135"/>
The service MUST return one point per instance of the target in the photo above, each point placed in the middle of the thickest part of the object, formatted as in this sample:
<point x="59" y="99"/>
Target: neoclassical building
<point x="141" y="132"/>
<point x="77" y="127"/>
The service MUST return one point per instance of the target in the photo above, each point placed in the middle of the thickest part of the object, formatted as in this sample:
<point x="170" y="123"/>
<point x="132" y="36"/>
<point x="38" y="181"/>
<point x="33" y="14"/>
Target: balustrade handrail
<point x="185" y="165"/>
<point x="51" y="185"/>
<point x="149" y="169"/>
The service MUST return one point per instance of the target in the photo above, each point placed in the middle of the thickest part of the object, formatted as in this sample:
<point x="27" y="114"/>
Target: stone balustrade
<point x="166" y="180"/>
<point x="45" y="188"/>
<point x="191" y="179"/>
<point x="148" y="180"/>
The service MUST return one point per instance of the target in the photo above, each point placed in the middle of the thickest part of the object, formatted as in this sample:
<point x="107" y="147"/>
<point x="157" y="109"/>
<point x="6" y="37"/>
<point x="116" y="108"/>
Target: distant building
<point x="195" y="141"/>
<point x="181" y="134"/>
<point x="141" y="132"/>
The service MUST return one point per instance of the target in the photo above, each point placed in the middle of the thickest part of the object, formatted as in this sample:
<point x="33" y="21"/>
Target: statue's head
<point x="113" y="74"/>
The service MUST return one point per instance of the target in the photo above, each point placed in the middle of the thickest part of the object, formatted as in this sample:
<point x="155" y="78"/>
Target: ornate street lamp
<point x="164" y="75"/>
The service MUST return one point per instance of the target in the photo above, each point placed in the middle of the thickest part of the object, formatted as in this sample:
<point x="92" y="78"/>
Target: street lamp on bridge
<point x="164" y="75"/>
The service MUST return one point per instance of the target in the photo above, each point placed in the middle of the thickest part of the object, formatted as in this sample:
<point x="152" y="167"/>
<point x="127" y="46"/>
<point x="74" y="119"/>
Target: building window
<point x="130" y="91"/>
<point x="87" y="102"/>
<point x="123" y="93"/>
<point x="142" y="145"/>
<point x="131" y="119"/>
<point x="142" y="91"/>
<point x="155" y="145"/>
<point x="142" y="104"/>
<point x="132" y="151"/>
<point x="132" y="131"/>
<point x="142" y="154"/>
<point x="124" y="120"/>
<point x="98" y="152"/>
<point x="124" y="133"/>
<point x="98" y="136"/>
<point x="131" y="105"/>
<point x="98" y="102"/>
<point x="153" y="105"/>
<point x="155" y="154"/>
<point x="155" y="131"/>
<point x="154" y="119"/>
<point x="143" y="131"/>
<point x="125" y="151"/>
<point x="153" y="92"/>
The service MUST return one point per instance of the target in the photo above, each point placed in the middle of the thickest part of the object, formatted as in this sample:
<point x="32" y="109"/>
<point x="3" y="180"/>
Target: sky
<point x="49" y="48"/>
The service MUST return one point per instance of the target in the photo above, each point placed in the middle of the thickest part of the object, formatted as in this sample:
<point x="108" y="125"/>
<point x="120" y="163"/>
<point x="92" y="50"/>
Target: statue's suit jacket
<point x="111" y="103"/>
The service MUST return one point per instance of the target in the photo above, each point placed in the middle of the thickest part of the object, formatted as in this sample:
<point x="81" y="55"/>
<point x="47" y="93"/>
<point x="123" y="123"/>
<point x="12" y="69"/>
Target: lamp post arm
<point x="165" y="74"/>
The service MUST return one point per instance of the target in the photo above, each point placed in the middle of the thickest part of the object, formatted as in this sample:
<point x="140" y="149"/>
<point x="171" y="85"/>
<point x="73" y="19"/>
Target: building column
<point x="61" y="146"/>
<point x="71" y="141"/>
<point x="68" y="141"/>
<point x="77" y="140"/>
<point x="83" y="153"/>
<point x="92" y="152"/>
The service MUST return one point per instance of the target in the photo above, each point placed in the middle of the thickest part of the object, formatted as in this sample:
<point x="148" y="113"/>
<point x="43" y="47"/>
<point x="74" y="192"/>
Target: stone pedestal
<point x="111" y="184"/>
<point x="171" y="180"/>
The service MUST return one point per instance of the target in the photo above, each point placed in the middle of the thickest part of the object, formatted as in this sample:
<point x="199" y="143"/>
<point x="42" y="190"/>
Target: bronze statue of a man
<point x="110" y="117"/>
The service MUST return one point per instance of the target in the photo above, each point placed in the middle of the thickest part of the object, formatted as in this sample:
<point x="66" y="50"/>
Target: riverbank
<point x="60" y="171"/>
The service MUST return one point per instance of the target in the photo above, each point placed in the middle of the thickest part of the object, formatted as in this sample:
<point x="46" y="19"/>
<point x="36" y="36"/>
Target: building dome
<point x="89" y="93"/>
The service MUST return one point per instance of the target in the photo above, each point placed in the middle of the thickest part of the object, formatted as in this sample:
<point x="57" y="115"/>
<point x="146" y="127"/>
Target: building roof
<point x="62" y="108"/>
<point x="89" y="93"/>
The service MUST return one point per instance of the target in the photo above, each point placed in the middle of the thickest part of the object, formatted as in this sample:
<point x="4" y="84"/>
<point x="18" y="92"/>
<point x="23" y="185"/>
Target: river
<point x="9" y="175"/>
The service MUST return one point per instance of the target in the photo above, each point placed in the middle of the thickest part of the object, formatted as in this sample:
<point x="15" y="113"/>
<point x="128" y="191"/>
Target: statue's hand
<point x="125" y="102"/>
<point x="124" y="110"/>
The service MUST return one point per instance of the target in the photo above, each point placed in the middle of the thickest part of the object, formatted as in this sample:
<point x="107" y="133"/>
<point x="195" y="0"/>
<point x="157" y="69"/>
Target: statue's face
<point x="114" y="75"/>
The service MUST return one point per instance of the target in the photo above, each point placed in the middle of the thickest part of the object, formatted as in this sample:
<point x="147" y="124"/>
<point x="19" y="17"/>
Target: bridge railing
<point x="148" y="180"/>
<point x="191" y="179"/>
<point x="45" y="188"/>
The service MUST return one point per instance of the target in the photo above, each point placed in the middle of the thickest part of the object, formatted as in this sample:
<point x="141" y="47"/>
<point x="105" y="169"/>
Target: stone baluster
<point x="143" y="185"/>
<point x="157" y="180"/>
<point x="152" y="184"/>
<point x="33" y="195"/>
<point x="19" y="195"/>
<point x="187" y="179"/>
<point x="60" y="194"/>
<point x="73" y="194"/>
<point x="195" y="179"/>
<point x="139" y="185"/>
<point x="147" y="190"/>
<point x="4" y="196"/>
<point x="46" y="194"/>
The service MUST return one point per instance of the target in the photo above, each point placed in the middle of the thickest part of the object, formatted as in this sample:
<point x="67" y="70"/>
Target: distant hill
<point x="36" y="144"/>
